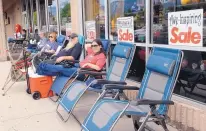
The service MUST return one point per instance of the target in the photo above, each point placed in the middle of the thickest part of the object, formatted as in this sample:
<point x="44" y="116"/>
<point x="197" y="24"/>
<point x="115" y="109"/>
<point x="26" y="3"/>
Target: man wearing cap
<point x="71" y="52"/>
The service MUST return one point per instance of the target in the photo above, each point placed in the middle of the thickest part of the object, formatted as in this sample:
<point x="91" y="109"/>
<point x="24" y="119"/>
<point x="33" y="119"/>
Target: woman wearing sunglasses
<point x="52" y="44"/>
<point x="95" y="59"/>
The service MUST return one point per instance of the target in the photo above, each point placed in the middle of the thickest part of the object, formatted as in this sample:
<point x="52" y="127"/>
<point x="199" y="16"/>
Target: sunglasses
<point x="50" y="36"/>
<point x="94" y="45"/>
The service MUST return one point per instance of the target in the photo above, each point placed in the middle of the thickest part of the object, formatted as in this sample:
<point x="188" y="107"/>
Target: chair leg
<point x="7" y="80"/>
<point x="6" y="83"/>
<point x="163" y="124"/>
<point x="142" y="126"/>
<point x="60" y="115"/>
<point x="11" y="85"/>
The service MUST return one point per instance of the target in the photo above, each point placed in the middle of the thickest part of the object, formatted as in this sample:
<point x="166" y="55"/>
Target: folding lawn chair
<point x="61" y="81"/>
<point x="153" y="99"/>
<point x="121" y="60"/>
<point x="17" y="71"/>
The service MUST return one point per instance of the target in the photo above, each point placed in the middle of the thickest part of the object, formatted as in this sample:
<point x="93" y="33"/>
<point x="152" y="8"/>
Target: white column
<point x="2" y="34"/>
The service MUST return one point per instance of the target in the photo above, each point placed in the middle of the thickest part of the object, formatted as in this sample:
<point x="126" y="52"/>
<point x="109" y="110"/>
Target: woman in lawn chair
<point x="95" y="59"/>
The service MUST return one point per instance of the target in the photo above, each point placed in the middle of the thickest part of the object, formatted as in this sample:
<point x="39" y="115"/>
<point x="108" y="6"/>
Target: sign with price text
<point x="125" y="28"/>
<point x="90" y="30"/>
<point x="186" y="28"/>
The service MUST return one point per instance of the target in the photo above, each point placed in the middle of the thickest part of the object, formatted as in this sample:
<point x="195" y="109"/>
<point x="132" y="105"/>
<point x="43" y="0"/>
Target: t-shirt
<point x="74" y="52"/>
<point x="99" y="60"/>
<point x="53" y="45"/>
<point x="42" y="43"/>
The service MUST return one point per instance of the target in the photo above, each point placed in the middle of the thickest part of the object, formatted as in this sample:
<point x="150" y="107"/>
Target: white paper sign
<point x="90" y="30"/>
<point x="68" y="29"/>
<point x="186" y="28"/>
<point x="125" y="28"/>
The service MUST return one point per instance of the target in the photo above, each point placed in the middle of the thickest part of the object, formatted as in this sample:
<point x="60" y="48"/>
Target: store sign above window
<point x="186" y="28"/>
<point x="125" y="28"/>
<point x="90" y="30"/>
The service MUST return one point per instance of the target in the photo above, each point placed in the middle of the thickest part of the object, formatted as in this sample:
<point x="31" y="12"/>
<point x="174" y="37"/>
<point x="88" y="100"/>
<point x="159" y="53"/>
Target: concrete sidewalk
<point x="19" y="112"/>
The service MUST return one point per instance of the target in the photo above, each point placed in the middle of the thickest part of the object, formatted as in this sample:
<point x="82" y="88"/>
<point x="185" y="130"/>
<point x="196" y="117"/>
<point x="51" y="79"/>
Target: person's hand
<point x="85" y="65"/>
<point x="60" y="59"/>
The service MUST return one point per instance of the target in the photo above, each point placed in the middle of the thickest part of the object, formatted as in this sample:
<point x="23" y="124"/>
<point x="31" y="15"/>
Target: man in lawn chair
<point x="95" y="60"/>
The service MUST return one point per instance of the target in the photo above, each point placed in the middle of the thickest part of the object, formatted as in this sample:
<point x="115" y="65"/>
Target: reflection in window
<point x="125" y="8"/>
<point x="65" y="14"/>
<point x="95" y="11"/>
<point x="52" y="15"/>
<point x="192" y="78"/>
<point x="160" y="17"/>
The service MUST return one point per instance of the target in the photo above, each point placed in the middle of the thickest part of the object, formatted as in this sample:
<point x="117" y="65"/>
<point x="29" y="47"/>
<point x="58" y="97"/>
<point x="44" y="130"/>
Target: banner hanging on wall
<point x="68" y="29"/>
<point x="186" y="28"/>
<point x="125" y="28"/>
<point x="90" y="30"/>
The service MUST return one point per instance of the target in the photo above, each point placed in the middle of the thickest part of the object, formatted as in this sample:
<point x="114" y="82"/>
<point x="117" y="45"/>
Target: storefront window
<point x="65" y="14"/>
<point x="192" y="78"/>
<point x="34" y="15"/>
<point x="52" y="15"/>
<point x="137" y="67"/>
<point x="160" y="17"/>
<point x="95" y="11"/>
<point x="125" y="8"/>
<point x="42" y="15"/>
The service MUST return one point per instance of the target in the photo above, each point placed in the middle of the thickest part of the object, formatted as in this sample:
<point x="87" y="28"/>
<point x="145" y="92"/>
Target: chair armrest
<point x="93" y="73"/>
<point x="153" y="102"/>
<point x="121" y="87"/>
<point x="100" y="81"/>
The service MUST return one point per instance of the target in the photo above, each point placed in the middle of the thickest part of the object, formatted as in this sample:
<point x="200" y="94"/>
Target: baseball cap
<point x="73" y="35"/>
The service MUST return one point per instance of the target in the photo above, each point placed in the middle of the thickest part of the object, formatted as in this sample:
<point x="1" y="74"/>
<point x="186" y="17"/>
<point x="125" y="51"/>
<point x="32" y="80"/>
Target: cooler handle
<point x="43" y="81"/>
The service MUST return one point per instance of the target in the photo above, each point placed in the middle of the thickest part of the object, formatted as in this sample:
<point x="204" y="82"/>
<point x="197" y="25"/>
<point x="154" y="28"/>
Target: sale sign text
<point x="186" y="28"/>
<point x="90" y="30"/>
<point x="125" y="28"/>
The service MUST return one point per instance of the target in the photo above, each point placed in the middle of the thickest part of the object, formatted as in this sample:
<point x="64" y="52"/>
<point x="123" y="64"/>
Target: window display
<point x="95" y="11"/>
<point x="52" y="15"/>
<point x="192" y="79"/>
<point x="65" y="15"/>
<point x="137" y="67"/>
<point x="160" y="17"/>
<point x="135" y="8"/>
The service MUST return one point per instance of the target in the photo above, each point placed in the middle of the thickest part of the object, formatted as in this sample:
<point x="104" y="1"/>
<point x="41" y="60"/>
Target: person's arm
<point x="50" y="51"/>
<point x="73" y="56"/>
<point x="98" y="66"/>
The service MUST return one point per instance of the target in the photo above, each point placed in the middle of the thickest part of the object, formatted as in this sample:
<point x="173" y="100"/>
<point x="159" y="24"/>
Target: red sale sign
<point x="125" y="28"/>
<point x="186" y="28"/>
<point x="90" y="30"/>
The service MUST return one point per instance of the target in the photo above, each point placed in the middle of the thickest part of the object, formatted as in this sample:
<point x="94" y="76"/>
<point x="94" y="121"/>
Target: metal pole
<point x="47" y="16"/>
<point x="38" y="16"/>
<point x="148" y="26"/>
<point x="32" y="18"/>
<point x="58" y="17"/>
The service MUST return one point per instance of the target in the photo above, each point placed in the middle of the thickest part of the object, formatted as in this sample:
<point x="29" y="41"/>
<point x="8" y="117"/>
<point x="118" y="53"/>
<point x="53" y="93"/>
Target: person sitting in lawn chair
<point x="95" y="60"/>
<point x="43" y="40"/>
<point x="52" y="44"/>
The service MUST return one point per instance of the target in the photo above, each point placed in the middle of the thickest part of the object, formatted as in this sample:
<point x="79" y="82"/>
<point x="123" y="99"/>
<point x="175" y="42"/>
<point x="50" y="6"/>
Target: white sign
<point x="68" y="29"/>
<point x="186" y="28"/>
<point x="125" y="28"/>
<point x="90" y="30"/>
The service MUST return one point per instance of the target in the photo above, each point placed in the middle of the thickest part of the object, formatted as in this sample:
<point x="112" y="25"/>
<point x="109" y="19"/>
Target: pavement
<point x="19" y="112"/>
